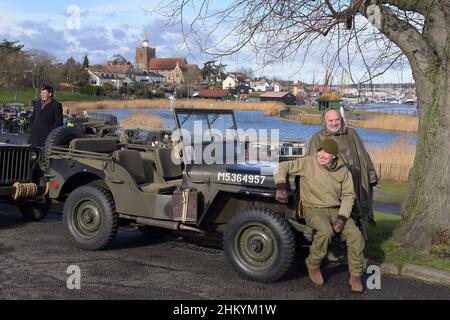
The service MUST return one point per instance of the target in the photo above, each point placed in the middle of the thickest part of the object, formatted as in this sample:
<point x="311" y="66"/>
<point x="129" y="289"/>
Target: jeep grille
<point x="15" y="166"/>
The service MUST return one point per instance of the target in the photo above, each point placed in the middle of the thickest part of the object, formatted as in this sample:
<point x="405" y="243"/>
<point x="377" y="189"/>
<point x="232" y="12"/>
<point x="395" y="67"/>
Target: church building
<point x="175" y="70"/>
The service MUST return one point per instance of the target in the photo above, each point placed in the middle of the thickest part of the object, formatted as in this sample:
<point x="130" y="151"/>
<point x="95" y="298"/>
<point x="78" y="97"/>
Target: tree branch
<point x="420" y="6"/>
<point x="404" y="35"/>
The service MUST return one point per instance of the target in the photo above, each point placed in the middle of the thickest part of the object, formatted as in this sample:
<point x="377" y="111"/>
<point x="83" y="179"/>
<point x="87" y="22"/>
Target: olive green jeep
<point x="157" y="189"/>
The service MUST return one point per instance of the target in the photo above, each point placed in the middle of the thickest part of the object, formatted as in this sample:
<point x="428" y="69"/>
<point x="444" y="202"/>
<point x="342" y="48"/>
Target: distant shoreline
<point x="362" y="119"/>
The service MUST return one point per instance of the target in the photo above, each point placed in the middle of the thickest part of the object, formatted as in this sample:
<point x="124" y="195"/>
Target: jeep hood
<point x="249" y="174"/>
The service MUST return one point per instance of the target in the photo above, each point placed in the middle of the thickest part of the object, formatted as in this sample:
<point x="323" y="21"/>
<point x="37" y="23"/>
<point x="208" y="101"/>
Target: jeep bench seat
<point x="94" y="145"/>
<point x="132" y="161"/>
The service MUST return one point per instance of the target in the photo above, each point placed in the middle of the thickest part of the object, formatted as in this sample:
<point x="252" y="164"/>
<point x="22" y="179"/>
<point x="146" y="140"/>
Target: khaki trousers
<point x="321" y="220"/>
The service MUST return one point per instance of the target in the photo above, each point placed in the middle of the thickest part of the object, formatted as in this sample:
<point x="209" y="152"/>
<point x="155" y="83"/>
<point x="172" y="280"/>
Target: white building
<point x="99" y="78"/>
<point x="260" y="86"/>
<point x="149" y="77"/>
<point x="229" y="83"/>
<point x="276" y="87"/>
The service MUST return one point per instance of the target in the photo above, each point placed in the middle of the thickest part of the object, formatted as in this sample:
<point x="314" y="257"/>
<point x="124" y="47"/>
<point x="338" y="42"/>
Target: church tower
<point x="144" y="54"/>
<point x="145" y="42"/>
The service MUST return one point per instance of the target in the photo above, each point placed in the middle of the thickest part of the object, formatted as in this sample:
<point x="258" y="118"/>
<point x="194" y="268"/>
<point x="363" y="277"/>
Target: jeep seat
<point x="170" y="171"/>
<point x="132" y="161"/>
<point x="94" y="145"/>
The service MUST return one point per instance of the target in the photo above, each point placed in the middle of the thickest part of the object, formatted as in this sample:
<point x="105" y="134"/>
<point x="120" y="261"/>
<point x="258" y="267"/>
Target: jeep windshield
<point x="206" y="124"/>
<point x="208" y="136"/>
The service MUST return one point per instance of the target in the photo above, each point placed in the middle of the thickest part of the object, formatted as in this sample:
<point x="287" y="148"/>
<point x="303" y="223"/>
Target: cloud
<point x="118" y="28"/>
<point x="118" y="34"/>
<point x="42" y="37"/>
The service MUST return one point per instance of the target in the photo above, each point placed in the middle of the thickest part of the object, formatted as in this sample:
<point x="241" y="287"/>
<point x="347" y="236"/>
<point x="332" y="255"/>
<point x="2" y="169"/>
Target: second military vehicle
<point x="22" y="182"/>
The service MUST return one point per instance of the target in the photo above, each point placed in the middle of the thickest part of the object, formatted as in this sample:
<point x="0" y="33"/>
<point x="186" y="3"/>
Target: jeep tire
<point x="90" y="217"/>
<point x="260" y="244"/>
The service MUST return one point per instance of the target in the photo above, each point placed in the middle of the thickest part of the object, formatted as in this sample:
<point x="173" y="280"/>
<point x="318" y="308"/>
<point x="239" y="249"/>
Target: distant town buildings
<point x="176" y="72"/>
<point x="148" y="69"/>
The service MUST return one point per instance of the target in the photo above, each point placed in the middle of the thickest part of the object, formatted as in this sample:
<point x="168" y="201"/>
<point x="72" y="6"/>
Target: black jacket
<point x="43" y="121"/>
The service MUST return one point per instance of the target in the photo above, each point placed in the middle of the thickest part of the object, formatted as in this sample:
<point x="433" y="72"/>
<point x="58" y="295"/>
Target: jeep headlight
<point x="34" y="155"/>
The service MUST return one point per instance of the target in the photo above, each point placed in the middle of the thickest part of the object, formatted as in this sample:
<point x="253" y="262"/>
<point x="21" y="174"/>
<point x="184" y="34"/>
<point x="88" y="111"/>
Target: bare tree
<point x="13" y="63"/>
<point x="374" y="34"/>
<point x="41" y="68"/>
<point x="74" y="73"/>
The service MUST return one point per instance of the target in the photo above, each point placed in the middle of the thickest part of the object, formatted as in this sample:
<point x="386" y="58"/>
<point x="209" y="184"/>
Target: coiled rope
<point x="25" y="190"/>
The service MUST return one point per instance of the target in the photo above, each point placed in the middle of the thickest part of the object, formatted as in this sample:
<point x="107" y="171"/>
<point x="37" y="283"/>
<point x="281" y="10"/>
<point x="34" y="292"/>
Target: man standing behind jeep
<point x="327" y="197"/>
<point x="47" y="115"/>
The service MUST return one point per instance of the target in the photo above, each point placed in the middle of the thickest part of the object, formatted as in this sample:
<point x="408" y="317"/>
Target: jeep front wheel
<point x="90" y="217"/>
<point x="260" y="244"/>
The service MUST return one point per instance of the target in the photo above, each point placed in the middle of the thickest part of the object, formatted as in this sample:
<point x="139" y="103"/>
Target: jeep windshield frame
<point x="207" y="117"/>
<point x="207" y="130"/>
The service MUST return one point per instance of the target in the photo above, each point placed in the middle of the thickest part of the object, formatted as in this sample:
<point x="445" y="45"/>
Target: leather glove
<point x="282" y="194"/>
<point x="339" y="224"/>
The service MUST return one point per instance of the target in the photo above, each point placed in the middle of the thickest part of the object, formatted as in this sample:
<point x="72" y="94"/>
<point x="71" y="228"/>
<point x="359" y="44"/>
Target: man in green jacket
<point x="327" y="195"/>
<point x="354" y="155"/>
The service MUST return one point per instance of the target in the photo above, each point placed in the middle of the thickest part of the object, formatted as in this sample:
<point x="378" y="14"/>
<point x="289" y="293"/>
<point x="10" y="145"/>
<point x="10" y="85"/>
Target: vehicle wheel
<point x="60" y="136"/>
<point x="90" y="217"/>
<point x="260" y="244"/>
<point x="154" y="232"/>
<point x="99" y="184"/>
<point x="35" y="211"/>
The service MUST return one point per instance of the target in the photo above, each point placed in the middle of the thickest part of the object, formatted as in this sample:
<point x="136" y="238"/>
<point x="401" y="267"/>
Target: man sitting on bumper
<point x="327" y="196"/>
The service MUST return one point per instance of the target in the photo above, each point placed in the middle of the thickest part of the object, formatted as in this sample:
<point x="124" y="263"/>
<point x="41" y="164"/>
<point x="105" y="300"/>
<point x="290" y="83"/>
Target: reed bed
<point x="268" y="108"/>
<point x="143" y="121"/>
<point x="308" y="119"/>
<point x="389" y="122"/>
<point x="393" y="161"/>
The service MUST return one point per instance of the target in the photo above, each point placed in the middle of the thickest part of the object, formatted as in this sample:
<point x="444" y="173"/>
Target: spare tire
<point x="60" y="136"/>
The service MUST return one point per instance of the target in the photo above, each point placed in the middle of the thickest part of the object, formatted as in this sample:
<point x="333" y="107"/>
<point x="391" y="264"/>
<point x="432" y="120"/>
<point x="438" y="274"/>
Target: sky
<point x="103" y="28"/>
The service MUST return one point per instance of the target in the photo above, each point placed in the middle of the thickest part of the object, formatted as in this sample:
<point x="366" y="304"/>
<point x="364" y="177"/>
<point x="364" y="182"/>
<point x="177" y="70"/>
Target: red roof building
<point x="166" y="63"/>
<point x="212" y="93"/>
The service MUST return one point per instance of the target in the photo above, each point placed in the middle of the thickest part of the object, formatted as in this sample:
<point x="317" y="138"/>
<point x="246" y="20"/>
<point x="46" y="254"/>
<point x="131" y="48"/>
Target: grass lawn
<point x="381" y="246"/>
<point x="25" y="95"/>
<point x="391" y="191"/>
<point x="394" y="187"/>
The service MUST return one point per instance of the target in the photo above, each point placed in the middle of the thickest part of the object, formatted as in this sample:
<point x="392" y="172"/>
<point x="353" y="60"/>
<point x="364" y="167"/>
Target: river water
<point x="287" y="129"/>
<point x="391" y="108"/>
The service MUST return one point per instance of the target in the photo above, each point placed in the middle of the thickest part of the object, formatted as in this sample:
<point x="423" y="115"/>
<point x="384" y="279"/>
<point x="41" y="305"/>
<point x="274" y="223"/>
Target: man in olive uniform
<point x="354" y="155"/>
<point x="327" y="197"/>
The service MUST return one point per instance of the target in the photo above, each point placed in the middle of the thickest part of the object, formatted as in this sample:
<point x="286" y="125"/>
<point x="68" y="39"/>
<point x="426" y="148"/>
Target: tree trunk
<point x="426" y="211"/>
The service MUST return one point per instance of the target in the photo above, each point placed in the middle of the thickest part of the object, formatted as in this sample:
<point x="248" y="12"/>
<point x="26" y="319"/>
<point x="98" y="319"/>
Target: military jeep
<point x="22" y="183"/>
<point x="104" y="183"/>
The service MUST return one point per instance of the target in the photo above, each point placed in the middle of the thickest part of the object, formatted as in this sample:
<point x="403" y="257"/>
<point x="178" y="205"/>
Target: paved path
<point x="385" y="207"/>
<point x="34" y="258"/>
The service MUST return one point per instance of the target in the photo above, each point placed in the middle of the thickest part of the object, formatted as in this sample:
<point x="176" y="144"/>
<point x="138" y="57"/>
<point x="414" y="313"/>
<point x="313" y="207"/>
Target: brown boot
<point x="356" y="285"/>
<point x="315" y="275"/>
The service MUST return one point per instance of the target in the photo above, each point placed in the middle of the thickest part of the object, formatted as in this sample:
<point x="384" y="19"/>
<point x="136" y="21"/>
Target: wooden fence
<point x="392" y="171"/>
